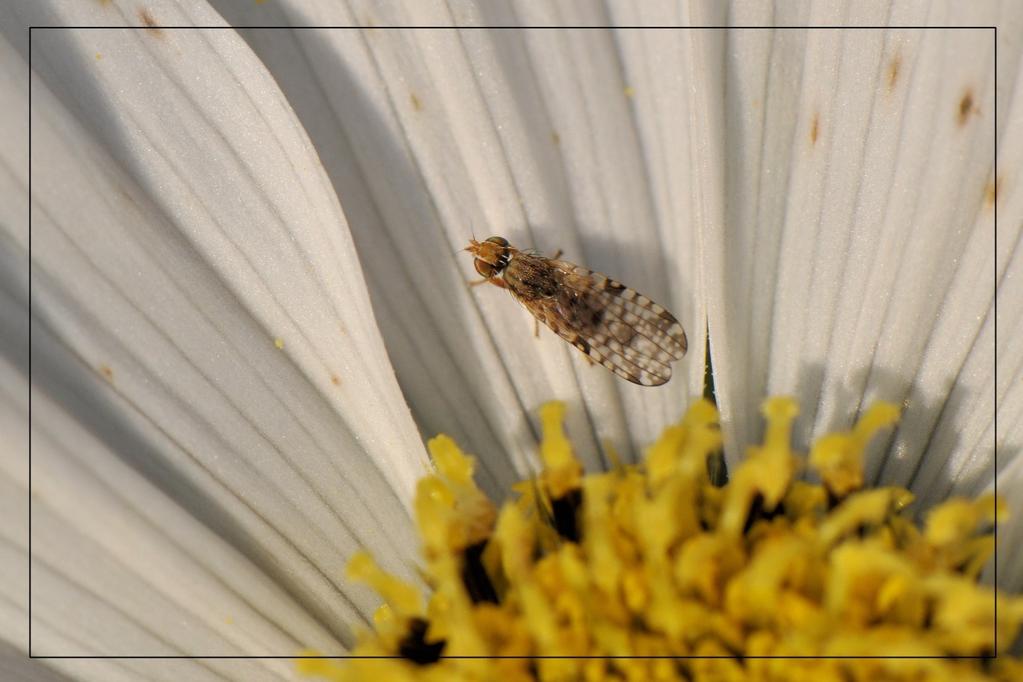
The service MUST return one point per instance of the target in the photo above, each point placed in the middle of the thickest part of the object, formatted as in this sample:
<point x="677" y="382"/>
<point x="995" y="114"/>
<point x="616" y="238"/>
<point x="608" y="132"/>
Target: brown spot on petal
<point x="335" y="379"/>
<point x="815" y="128"/>
<point x="149" y="21"/>
<point x="991" y="192"/>
<point x="894" y="68"/>
<point x="416" y="103"/>
<point x="107" y="372"/>
<point x="555" y="138"/>
<point x="966" y="107"/>
<point x="125" y="195"/>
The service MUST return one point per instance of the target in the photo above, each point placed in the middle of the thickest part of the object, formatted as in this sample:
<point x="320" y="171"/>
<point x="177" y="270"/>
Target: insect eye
<point x="484" y="268"/>
<point x="500" y="241"/>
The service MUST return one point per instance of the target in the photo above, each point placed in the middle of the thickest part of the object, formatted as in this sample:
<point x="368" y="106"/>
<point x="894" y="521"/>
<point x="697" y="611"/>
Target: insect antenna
<point x="472" y="232"/>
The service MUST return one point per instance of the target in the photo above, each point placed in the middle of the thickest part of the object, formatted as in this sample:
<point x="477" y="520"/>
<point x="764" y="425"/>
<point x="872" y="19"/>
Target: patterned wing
<point x="612" y="324"/>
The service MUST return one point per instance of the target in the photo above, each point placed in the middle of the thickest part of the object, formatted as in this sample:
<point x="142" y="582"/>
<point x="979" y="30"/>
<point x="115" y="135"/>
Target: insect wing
<point x="612" y="324"/>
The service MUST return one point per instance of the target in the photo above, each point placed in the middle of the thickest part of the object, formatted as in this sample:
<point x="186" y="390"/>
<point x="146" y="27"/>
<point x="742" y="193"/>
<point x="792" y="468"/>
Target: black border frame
<point x="994" y="29"/>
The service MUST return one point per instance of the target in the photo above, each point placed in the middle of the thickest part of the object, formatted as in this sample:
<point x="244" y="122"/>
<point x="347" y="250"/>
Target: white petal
<point x="1010" y="533"/>
<point x="119" y="568"/>
<point x="176" y="234"/>
<point x="526" y="134"/>
<point x="969" y="438"/>
<point x="674" y="79"/>
<point x="868" y="174"/>
<point x="16" y="667"/>
<point x="862" y="261"/>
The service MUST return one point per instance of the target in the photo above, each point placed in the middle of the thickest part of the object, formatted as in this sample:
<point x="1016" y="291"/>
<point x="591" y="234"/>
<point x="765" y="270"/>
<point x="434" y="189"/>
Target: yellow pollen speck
<point x="99" y="55"/>
<point x="636" y="573"/>
<point x="630" y="91"/>
<point x="279" y="343"/>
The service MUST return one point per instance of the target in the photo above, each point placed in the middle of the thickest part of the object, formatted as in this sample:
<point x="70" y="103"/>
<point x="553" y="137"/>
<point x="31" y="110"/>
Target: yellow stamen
<point x="839" y="457"/>
<point x="403" y="598"/>
<point x="654" y="560"/>
<point x="562" y="471"/>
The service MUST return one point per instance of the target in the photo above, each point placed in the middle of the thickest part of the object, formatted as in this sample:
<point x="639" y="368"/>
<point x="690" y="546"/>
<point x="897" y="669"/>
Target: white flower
<point x="231" y="376"/>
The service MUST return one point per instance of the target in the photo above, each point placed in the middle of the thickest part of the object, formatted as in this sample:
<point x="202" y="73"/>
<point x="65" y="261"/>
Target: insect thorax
<point x="531" y="278"/>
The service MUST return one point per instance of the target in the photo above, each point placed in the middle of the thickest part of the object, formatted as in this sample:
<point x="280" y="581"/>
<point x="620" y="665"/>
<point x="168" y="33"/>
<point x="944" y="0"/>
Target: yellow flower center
<point x="651" y="572"/>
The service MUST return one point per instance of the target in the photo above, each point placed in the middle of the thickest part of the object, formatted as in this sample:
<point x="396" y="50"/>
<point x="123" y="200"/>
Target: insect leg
<point x="496" y="281"/>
